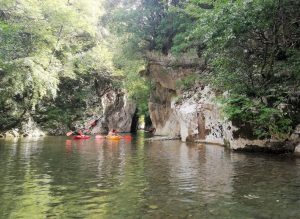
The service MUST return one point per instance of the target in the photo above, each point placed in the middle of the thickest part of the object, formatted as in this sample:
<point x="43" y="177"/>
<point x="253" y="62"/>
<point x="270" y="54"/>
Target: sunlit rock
<point x="194" y="114"/>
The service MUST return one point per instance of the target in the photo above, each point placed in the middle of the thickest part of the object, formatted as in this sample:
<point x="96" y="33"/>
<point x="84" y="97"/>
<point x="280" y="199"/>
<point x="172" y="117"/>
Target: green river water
<point x="55" y="177"/>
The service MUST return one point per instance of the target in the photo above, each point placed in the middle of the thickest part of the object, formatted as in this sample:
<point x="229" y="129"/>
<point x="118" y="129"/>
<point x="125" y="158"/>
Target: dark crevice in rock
<point x="135" y="122"/>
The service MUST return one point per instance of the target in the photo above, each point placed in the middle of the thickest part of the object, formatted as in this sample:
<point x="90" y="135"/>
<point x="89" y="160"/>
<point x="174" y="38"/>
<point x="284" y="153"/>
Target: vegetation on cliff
<point x="56" y="56"/>
<point x="41" y="43"/>
<point x="252" y="48"/>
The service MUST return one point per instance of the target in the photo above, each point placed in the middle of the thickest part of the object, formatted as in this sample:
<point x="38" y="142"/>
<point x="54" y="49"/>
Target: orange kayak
<point x="113" y="137"/>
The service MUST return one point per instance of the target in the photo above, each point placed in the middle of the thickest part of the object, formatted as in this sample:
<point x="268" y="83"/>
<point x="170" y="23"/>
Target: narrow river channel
<point x="55" y="177"/>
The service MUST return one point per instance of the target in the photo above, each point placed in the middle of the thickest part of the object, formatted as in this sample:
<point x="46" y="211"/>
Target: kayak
<point x="113" y="137"/>
<point x="127" y="137"/>
<point x="99" y="137"/>
<point x="81" y="137"/>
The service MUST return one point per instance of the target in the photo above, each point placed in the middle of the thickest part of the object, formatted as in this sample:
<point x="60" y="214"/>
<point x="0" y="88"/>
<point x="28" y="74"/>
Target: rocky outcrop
<point x="91" y="104"/>
<point x="110" y="110"/>
<point x="195" y="115"/>
<point x="295" y="138"/>
<point x="116" y="112"/>
<point x="162" y="115"/>
<point x="164" y="72"/>
<point x="27" y="128"/>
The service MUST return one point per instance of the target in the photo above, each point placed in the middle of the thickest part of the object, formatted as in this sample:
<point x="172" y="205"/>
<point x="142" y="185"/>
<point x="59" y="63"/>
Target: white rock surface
<point x="194" y="115"/>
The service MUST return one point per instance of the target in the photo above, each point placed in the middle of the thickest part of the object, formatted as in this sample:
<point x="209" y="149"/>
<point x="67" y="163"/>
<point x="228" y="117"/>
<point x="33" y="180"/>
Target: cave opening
<point x="140" y="122"/>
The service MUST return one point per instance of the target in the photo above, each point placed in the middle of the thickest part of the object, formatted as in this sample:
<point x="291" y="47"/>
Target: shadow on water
<point x="97" y="178"/>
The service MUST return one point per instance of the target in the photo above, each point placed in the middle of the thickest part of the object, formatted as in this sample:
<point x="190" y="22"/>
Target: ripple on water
<point x="89" y="179"/>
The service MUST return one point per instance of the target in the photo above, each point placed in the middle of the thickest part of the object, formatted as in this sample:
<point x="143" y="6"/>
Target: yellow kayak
<point x="113" y="137"/>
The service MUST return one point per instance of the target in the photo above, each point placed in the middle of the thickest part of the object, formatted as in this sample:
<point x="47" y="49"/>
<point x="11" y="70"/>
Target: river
<point x="55" y="177"/>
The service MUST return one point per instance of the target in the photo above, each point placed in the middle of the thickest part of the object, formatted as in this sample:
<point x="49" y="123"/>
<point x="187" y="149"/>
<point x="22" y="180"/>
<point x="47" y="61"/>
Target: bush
<point x="267" y="122"/>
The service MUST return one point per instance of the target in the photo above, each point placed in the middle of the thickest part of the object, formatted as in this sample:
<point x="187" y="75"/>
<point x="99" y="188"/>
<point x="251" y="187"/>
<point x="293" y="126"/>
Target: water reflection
<point x="96" y="178"/>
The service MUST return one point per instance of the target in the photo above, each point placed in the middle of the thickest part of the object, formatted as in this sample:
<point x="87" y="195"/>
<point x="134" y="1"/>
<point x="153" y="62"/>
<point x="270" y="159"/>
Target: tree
<point x="253" y="47"/>
<point x="39" y="42"/>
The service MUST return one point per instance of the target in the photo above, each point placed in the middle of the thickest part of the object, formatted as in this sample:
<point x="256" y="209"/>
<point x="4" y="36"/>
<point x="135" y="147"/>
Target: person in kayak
<point x="78" y="132"/>
<point x="112" y="132"/>
<point x="75" y="132"/>
<point x="93" y="124"/>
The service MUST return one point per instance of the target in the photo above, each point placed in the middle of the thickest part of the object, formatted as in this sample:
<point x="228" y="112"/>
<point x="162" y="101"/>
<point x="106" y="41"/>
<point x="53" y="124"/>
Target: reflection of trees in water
<point x="163" y="188"/>
<point x="82" y="178"/>
<point x="10" y="162"/>
<point x="158" y="179"/>
<point x="186" y="178"/>
<point x="24" y="191"/>
<point x="125" y="196"/>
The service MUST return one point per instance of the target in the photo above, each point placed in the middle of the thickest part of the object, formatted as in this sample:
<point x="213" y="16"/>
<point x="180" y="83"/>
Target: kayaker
<point x="79" y="132"/>
<point x="93" y="124"/>
<point x="76" y="132"/>
<point x="112" y="132"/>
<point x="112" y="135"/>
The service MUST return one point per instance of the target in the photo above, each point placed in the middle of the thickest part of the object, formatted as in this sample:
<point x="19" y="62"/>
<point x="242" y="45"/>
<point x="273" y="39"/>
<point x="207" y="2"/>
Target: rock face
<point x="161" y="70"/>
<point x="103" y="107"/>
<point x="295" y="137"/>
<point x="79" y="104"/>
<point x="116" y="112"/>
<point x="111" y="109"/>
<point x="27" y="128"/>
<point x="194" y="114"/>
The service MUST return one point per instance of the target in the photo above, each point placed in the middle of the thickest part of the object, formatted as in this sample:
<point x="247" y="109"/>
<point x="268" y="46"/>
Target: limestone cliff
<point x="95" y="99"/>
<point x="194" y="114"/>
<point x="79" y="103"/>
<point x="115" y="111"/>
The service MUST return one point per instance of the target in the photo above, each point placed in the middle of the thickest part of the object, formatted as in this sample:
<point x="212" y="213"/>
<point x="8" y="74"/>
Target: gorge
<point x="233" y="81"/>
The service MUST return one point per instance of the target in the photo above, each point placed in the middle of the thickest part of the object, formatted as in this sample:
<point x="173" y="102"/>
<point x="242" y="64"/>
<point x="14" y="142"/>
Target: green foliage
<point x="70" y="104"/>
<point x="148" y="24"/>
<point x="251" y="47"/>
<point x="187" y="82"/>
<point x="97" y="60"/>
<point x="136" y="86"/>
<point x="139" y="90"/>
<point x="55" y="115"/>
<point x="265" y="121"/>
<point x="41" y="42"/>
<point x="139" y="27"/>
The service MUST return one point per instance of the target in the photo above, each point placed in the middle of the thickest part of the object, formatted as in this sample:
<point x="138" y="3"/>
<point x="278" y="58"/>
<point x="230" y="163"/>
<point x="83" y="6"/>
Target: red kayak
<point x="81" y="137"/>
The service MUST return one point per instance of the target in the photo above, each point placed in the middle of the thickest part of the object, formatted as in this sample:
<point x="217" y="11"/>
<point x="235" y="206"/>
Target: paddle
<point x="69" y="133"/>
